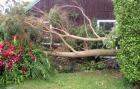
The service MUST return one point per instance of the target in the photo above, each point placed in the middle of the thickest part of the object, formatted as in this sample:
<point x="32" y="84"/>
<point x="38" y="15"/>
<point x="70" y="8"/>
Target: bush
<point x="20" y="60"/>
<point x="14" y="22"/>
<point x="81" y="31"/>
<point x="128" y="24"/>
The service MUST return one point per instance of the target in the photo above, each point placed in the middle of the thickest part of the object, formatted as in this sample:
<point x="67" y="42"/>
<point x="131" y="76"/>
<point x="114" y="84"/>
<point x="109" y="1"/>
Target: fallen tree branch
<point x="84" y="39"/>
<point x="86" y="17"/>
<point x="64" y="41"/>
<point x="62" y="34"/>
<point x="87" y="53"/>
<point x="66" y="34"/>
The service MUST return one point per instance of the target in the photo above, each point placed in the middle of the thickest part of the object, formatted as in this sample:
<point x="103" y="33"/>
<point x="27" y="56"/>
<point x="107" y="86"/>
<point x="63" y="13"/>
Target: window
<point x="106" y="24"/>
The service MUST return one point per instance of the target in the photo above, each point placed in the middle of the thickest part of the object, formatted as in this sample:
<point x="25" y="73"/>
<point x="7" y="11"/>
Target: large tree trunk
<point x="87" y="53"/>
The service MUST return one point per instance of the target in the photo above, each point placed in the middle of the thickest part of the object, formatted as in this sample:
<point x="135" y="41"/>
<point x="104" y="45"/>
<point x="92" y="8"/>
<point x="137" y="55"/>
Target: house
<point x="99" y="10"/>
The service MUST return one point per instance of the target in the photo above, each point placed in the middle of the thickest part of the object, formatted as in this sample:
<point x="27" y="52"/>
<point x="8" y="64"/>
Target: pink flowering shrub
<point x="20" y="59"/>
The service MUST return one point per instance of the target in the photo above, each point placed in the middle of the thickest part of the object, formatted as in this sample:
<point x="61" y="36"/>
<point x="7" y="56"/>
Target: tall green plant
<point x="15" y="22"/>
<point x="25" y="59"/>
<point x="20" y="60"/>
<point x="128" y="24"/>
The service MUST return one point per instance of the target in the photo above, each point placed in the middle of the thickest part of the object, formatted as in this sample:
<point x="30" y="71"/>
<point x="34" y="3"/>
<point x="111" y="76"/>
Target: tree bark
<point x="86" y="53"/>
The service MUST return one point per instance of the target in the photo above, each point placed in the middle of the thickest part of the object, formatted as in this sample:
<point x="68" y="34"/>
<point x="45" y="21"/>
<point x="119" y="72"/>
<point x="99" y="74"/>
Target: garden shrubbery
<point x="20" y="60"/>
<point x="21" y="57"/>
<point x="128" y="25"/>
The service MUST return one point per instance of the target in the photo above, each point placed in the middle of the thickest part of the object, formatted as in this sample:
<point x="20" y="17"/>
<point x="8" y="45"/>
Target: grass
<point x="80" y="80"/>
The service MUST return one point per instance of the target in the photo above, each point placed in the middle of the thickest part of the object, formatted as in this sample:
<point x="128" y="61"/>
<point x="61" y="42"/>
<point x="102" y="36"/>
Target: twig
<point x="90" y="23"/>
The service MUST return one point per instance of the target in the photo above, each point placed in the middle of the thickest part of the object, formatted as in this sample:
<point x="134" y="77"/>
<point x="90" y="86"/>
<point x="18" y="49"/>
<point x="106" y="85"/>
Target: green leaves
<point x="128" y="18"/>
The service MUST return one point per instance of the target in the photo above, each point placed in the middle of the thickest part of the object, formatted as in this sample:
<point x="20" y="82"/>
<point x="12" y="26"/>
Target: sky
<point x="3" y="4"/>
<point x="3" y="1"/>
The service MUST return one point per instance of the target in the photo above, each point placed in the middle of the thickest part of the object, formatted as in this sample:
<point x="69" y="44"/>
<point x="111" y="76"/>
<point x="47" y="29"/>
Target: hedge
<point x="127" y="14"/>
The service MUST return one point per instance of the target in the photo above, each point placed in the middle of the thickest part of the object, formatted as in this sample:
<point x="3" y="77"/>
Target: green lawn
<point x="81" y="80"/>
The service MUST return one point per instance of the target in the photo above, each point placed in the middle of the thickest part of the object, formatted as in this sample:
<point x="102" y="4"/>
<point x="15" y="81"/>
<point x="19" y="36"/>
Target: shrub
<point x="20" y="60"/>
<point x="81" y="31"/>
<point x="14" y="22"/>
<point x="128" y="24"/>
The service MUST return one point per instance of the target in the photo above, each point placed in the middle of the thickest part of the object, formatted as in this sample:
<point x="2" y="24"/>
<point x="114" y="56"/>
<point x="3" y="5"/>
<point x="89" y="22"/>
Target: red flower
<point x="21" y="48"/>
<point x="23" y="39"/>
<point x="33" y="58"/>
<point x="3" y="44"/>
<point x="9" y="51"/>
<point x="6" y="54"/>
<point x="30" y="43"/>
<point x="11" y="47"/>
<point x="16" y="59"/>
<point x="24" y="69"/>
<point x="2" y="62"/>
<point x="31" y="52"/>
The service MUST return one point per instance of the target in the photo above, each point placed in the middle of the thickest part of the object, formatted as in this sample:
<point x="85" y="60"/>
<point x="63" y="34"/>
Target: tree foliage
<point x="128" y="25"/>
